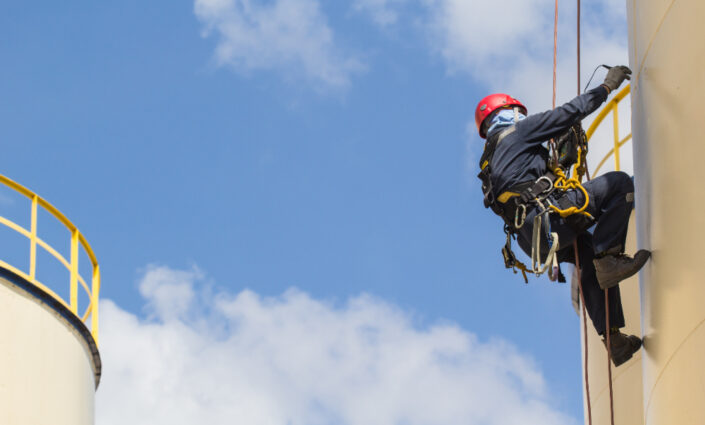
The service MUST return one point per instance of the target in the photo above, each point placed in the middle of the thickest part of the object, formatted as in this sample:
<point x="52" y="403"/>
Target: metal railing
<point x="612" y="106"/>
<point x="71" y="264"/>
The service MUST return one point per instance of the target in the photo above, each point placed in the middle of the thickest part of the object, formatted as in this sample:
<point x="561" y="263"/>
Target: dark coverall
<point x="520" y="157"/>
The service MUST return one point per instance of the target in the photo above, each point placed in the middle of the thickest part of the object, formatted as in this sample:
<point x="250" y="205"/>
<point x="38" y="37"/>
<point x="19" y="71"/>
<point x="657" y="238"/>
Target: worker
<point x="516" y="177"/>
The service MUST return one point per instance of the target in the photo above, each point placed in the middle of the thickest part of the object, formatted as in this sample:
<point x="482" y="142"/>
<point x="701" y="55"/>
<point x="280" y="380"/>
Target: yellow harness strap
<point x="504" y="197"/>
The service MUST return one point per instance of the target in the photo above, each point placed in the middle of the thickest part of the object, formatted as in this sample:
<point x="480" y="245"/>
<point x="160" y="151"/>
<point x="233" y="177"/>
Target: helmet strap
<point x="516" y="115"/>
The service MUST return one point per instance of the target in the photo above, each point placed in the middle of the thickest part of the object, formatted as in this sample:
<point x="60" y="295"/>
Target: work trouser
<point x="611" y="202"/>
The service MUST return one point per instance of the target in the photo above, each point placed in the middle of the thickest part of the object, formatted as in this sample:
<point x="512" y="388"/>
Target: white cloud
<point x="511" y="50"/>
<point x="291" y="37"/>
<point x="291" y="359"/>
<point x="508" y="47"/>
<point x="484" y="37"/>
<point x="168" y="292"/>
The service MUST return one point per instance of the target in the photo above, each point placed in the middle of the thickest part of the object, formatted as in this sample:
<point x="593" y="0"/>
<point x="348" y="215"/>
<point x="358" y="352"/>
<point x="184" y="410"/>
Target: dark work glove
<point x="616" y="75"/>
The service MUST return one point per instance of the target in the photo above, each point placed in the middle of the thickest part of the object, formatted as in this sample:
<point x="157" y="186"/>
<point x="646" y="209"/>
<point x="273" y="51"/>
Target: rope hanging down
<point x="574" y="183"/>
<point x="563" y="182"/>
<point x="586" y="376"/>
<point x="555" y="52"/>
<point x="566" y="178"/>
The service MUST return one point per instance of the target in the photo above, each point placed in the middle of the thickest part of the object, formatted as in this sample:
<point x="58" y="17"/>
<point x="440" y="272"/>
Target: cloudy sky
<point x="282" y="198"/>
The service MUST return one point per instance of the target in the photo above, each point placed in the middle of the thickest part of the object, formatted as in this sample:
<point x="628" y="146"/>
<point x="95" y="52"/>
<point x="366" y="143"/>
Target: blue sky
<point x="269" y="145"/>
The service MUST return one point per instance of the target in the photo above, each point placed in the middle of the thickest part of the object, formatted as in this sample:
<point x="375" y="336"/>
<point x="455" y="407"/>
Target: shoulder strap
<point x="491" y="145"/>
<point x="485" y="169"/>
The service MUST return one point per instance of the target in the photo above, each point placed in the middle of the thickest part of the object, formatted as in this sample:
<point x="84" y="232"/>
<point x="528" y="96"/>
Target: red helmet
<point x="490" y="104"/>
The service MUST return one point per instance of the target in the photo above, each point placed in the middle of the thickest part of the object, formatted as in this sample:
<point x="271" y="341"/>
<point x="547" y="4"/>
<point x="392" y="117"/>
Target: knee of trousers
<point x="622" y="181"/>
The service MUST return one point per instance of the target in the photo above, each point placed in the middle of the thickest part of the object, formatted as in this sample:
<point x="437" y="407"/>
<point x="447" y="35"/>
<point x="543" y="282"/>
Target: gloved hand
<point x="616" y="75"/>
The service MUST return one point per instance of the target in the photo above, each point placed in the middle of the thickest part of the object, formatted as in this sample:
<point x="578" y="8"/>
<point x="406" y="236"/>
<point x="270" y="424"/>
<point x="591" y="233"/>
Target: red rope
<point x="555" y="52"/>
<point x="575" y="242"/>
<point x="578" y="49"/>
<point x="609" y="354"/>
<point x="585" y="335"/>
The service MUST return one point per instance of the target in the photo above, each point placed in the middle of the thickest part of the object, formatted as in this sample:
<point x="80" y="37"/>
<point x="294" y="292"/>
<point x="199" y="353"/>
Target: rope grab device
<point x="568" y="158"/>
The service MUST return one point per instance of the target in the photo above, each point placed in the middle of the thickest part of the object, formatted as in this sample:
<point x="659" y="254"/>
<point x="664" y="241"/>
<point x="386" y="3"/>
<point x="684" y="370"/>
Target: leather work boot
<point x="622" y="347"/>
<point x="612" y="269"/>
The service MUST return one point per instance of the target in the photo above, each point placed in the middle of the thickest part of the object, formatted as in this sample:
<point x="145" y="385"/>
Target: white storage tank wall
<point x="48" y="368"/>
<point x="667" y="55"/>
<point x="626" y="379"/>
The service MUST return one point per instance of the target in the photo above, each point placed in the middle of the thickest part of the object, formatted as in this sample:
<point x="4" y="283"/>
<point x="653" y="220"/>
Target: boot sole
<point x="626" y="358"/>
<point x="622" y="360"/>
<point x="615" y="281"/>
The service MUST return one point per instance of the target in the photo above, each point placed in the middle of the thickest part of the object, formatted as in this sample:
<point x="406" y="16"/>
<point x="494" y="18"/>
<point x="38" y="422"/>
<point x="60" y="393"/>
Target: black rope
<point x="593" y="74"/>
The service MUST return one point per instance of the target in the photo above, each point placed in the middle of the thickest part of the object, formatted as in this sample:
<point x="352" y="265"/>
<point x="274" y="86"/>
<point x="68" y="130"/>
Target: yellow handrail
<point x="612" y="106"/>
<point x="77" y="239"/>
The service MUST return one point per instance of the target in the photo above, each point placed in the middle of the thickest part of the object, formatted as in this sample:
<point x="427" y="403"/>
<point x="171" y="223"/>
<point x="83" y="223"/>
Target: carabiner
<point x="519" y="224"/>
<point x="550" y="185"/>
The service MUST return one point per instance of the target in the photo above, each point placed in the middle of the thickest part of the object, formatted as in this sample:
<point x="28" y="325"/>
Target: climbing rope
<point x="579" y="271"/>
<point x="564" y="182"/>
<point x="585" y="335"/>
<point x="555" y="52"/>
<point x="578" y="49"/>
<point x="609" y="355"/>
<point x="575" y="210"/>
<point x="577" y="257"/>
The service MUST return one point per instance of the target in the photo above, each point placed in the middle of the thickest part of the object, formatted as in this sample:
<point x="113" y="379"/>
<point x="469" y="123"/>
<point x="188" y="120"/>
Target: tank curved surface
<point x="627" y="378"/>
<point x="667" y="55"/>
<point x="49" y="364"/>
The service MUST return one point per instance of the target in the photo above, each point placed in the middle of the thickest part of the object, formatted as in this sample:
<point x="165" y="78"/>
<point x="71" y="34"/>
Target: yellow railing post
<point x="33" y="240"/>
<point x="74" y="272"/>
<point x="77" y="241"/>
<point x="95" y="289"/>
<point x="612" y="106"/>
<point x="615" y="121"/>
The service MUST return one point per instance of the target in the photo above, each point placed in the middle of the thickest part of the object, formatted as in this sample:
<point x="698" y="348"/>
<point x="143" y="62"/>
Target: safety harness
<point x="512" y="205"/>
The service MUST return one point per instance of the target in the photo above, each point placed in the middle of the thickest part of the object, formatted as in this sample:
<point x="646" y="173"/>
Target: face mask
<point x="504" y="118"/>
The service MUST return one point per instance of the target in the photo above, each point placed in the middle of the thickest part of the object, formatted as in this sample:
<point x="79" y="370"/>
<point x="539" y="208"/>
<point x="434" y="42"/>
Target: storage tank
<point x="49" y="361"/>
<point x="667" y="55"/>
<point x="664" y="384"/>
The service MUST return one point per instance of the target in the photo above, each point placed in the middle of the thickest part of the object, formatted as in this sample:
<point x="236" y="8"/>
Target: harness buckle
<point x="550" y="187"/>
<point x="519" y="220"/>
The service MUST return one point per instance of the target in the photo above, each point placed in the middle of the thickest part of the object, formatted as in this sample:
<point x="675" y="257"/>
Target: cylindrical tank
<point x="667" y="56"/>
<point x="626" y="379"/>
<point x="49" y="363"/>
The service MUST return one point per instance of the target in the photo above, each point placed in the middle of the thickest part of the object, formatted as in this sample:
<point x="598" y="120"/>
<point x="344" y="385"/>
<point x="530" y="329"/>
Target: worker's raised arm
<point x="538" y="128"/>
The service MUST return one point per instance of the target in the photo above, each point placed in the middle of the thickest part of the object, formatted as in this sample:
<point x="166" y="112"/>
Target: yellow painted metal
<point x="607" y="109"/>
<point x="87" y="313"/>
<point x="37" y="283"/>
<point x="33" y="240"/>
<point x="667" y="89"/>
<point x="615" y="130"/>
<point x="24" y="232"/>
<point x="604" y="160"/>
<point x="612" y="106"/>
<point x="77" y="241"/>
<point x="94" y="302"/>
<point x="74" y="272"/>
<point x="54" y="253"/>
<point x="626" y="379"/>
<point x="16" y="227"/>
<point x="83" y="284"/>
